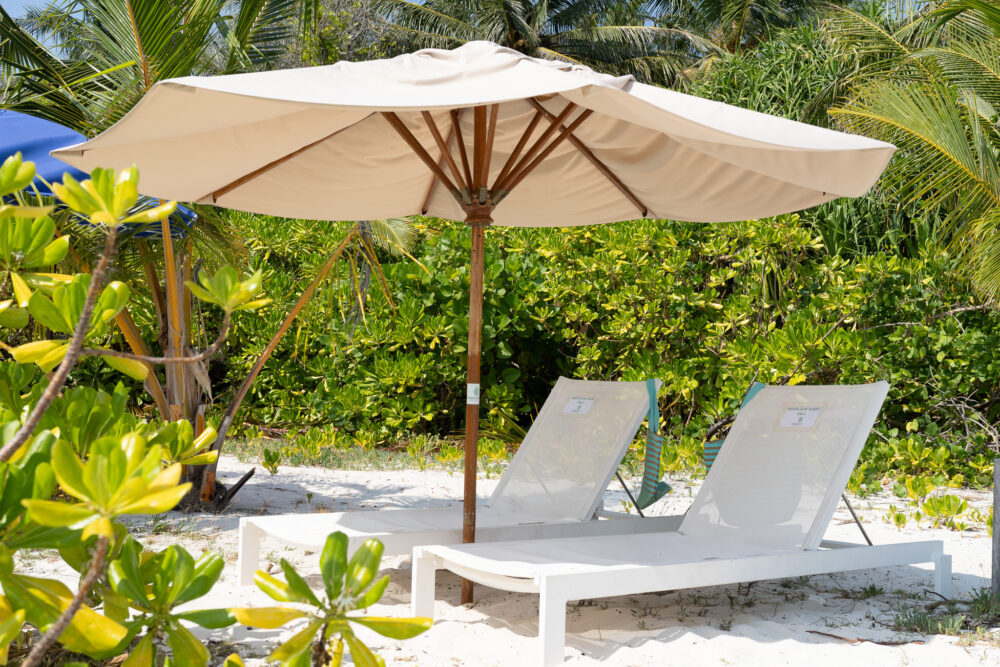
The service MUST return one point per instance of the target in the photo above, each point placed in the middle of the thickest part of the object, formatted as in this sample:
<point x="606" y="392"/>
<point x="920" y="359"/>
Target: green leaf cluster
<point x="120" y="476"/>
<point x="154" y="585"/>
<point x="349" y="585"/>
<point x="227" y="291"/>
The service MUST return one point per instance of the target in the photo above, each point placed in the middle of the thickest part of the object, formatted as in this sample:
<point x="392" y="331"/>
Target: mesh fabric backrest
<point x="785" y="463"/>
<point x="573" y="448"/>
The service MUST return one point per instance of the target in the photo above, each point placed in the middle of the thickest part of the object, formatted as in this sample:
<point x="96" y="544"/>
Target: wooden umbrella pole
<point x="478" y="218"/>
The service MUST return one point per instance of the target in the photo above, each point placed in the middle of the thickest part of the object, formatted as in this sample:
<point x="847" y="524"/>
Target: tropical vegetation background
<point x="319" y="342"/>
<point x="899" y="285"/>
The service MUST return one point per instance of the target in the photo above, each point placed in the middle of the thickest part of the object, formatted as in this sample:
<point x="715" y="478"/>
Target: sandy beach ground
<point x="804" y="621"/>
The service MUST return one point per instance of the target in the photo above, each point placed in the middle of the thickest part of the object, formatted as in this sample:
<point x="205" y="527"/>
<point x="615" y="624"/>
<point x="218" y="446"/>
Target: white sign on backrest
<point x="799" y="417"/>
<point x="578" y="405"/>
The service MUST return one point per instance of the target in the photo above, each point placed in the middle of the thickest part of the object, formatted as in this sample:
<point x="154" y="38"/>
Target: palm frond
<point x="988" y="13"/>
<point x="971" y="66"/>
<point x="982" y="238"/>
<point x="424" y="22"/>
<point x="938" y="162"/>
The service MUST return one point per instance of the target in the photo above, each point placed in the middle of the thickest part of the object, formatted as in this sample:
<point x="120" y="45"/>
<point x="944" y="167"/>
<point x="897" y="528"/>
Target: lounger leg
<point x="422" y="588"/>
<point x="249" y="551"/>
<point x="942" y="575"/>
<point x="551" y="624"/>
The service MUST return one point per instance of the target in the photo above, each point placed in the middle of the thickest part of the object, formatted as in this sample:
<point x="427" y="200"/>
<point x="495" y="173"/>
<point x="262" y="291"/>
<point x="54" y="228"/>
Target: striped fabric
<point x="713" y="448"/>
<point x="652" y="488"/>
<point x="711" y="451"/>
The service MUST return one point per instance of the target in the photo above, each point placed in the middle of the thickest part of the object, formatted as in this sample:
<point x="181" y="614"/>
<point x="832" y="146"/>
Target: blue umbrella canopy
<point x="35" y="138"/>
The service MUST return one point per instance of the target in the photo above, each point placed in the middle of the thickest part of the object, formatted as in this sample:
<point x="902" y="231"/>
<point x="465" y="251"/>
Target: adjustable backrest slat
<point x="572" y="450"/>
<point x="784" y="464"/>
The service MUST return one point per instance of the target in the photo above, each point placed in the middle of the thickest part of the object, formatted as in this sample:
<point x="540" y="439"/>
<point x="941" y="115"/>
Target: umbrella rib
<point x="563" y="135"/>
<point x="596" y="161"/>
<point x="422" y="153"/>
<point x="478" y="147"/>
<point x="456" y="117"/>
<point x="242" y="180"/>
<point x="532" y="124"/>
<point x="445" y="153"/>
<point x="434" y="179"/>
<point x="491" y="131"/>
<point x="554" y="125"/>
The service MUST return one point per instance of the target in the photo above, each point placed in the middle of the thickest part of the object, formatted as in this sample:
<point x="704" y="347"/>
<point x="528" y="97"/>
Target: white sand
<point x="772" y="624"/>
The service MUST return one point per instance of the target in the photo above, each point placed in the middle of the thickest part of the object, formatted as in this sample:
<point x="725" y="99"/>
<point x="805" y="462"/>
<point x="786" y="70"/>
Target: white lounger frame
<point x="556" y="591"/>
<point x="552" y="488"/>
<point x="770" y="495"/>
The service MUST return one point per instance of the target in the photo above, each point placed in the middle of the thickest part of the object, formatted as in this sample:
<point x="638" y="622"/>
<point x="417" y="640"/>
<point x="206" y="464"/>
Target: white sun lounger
<point x="760" y="514"/>
<point x="553" y="487"/>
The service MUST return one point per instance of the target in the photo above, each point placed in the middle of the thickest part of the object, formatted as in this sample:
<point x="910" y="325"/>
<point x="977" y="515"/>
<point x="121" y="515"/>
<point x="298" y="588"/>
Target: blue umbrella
<point x="34" y="138"/>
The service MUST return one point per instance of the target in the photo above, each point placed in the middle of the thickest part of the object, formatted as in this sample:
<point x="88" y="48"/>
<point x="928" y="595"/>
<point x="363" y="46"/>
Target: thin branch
<point x="54" y="632"/>
<point x="208" y="481"/>
<point x="204" y="355"/>
<point x="72" y="352"/>
<point x="932" y="318"/>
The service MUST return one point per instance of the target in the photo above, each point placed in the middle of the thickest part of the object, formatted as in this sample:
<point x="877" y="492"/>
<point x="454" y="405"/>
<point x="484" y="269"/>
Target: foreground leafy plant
<point x="119" y="477"/>
<point x="348" y="587"/>
<point x="89" y="449"/>
<point x="154" y="584"/>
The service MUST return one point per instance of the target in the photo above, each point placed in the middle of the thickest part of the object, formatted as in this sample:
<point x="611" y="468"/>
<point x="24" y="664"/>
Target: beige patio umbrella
<point x="482" y="134"/>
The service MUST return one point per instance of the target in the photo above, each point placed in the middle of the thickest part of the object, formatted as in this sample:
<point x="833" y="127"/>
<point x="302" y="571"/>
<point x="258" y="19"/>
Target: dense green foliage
<point x="704" y="307"/>
<point x="852" y="291"/>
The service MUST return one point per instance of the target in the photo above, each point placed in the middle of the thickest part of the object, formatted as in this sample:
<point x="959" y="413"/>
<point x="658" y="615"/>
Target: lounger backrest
<point x="572" y="450"/>
<point x="785" y="463"/>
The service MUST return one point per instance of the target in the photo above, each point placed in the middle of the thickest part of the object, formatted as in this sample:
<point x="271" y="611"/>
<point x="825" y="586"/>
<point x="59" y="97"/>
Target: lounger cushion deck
<point x="553" y="486"/>
<point x="760" y="514"/>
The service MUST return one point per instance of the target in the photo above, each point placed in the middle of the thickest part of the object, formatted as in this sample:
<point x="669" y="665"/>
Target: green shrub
<point x="707" y="308"/>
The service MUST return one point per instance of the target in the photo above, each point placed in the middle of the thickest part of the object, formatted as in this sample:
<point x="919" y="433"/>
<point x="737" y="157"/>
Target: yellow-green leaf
<point x="10" y="628"/>
<point x="156" y="502"/>
<point x="363" y="566"/>
<point x="57" y="514"/>
<point x="153" y="214"/>
<point x="130" y="367"/>
<point x="201" y="459"/>
<point x="273" y="587"/>
<point x="12" y="317"/>
<point x="100" y="526"/>
<point x="254" y="305"/>
<point x="52" y="358"/>
<point x="360" y="653"/>
<point x="299" y="642"/>
<point x="186" y="648"/>
<point x="266" y="617"/>
<point x="68" y="469"/>
<point x="21" y="290"/>
<point x="395" y="628"/>
<point x="142" y="655"/>
<point x="53" y="253"/>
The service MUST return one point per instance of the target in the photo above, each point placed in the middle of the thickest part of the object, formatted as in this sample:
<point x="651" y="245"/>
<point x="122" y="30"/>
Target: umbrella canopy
<point x="35" y="138"/>
<point x="480" y="133"/>
<point x="313" y="143"/>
